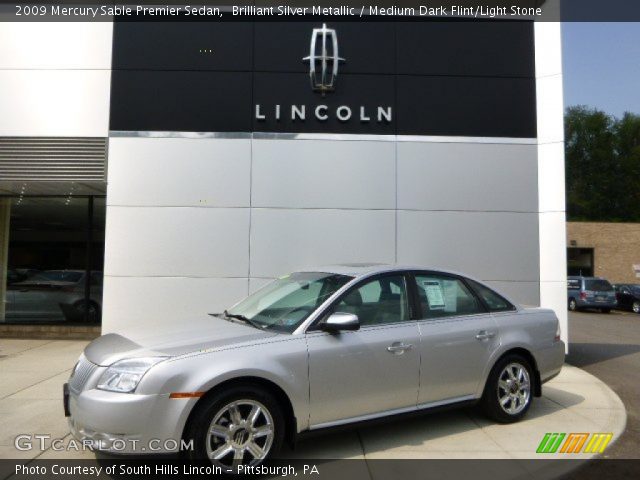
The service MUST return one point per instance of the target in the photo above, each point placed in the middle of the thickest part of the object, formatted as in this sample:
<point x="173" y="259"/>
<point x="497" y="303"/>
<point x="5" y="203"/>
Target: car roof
<point x="366" y="269"/>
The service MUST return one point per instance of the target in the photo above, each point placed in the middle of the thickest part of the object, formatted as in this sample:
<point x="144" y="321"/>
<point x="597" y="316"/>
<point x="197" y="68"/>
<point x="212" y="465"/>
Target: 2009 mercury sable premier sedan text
<point x="311" y="350"/>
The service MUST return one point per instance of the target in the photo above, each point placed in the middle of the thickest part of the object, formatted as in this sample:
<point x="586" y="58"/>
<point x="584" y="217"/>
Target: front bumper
<point x="596" y="304"/>
<point x="126" y="423"/>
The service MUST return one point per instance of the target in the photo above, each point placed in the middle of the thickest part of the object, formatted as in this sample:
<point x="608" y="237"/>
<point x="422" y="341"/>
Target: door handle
<point x="399" y="348"/>
<point x="484" y="335"/>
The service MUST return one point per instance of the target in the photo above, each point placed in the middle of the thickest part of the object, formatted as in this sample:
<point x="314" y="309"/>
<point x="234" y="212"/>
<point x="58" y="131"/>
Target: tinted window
<point x="377" y="302"/>
<point x="495" y="302"/>
<point x="444" y="296"/>
<point x="597" y="286"/>
<point x="573" y="284"/>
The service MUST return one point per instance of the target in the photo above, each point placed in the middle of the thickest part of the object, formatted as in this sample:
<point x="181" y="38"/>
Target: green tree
<point x="602" y="165"/>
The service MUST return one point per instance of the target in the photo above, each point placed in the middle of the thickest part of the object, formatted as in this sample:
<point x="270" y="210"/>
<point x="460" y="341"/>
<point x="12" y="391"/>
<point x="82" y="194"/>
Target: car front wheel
<point x="509" y="390"/>
<point x="240" y="426"/>
<point x="636" y="307"/>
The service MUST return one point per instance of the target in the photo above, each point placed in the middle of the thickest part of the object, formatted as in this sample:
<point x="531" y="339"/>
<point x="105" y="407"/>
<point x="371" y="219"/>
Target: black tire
<point x="210" y="407"/>
<point x="490" y="401"/>
<point x="635" y="308"/>
<point x="573" y="306"/>
<point x="605" y="310"/>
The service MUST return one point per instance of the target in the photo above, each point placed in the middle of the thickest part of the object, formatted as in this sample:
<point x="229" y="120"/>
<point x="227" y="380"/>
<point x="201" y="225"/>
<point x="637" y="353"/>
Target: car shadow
<point x="432" y="431"/>
<point x="585" y="354"/>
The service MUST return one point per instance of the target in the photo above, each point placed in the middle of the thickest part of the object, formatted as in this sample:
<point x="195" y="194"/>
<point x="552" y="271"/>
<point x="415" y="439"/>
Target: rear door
<point x="458" y="337"/>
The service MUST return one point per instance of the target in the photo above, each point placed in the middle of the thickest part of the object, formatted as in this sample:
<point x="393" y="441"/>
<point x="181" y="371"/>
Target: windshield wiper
<point x="244" y="319"/>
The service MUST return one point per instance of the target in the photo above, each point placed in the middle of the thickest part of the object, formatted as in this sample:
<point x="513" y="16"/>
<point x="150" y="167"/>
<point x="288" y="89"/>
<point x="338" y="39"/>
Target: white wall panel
<point x="256" y="284"/>
<point x="54" y="102"/>
<point x="490" y="246"/>
<point x="145" y="304"/>
<point x="55" y="45"/>
<point x="323" y="174"/>
<point x="523" y="293"/>
<point x="553" y="248"/>
<point x="553" y="295"/>
<point x="179" y="172"/>
<point x="171" y="241"/>
<point x="550" y="109"/>
<point x="467" y="176"/>
<point x="287" y="240"/>
<point x="548" y="43"/>
<point x="551" y="177"/>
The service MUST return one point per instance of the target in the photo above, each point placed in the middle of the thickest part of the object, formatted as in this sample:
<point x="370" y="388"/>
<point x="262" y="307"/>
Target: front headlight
<point x="124" y="375"/>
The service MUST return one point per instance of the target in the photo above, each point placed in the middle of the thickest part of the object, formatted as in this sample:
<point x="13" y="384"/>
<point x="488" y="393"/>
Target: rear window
<point x="494" y="301"/>
<point x="598" y="286"/>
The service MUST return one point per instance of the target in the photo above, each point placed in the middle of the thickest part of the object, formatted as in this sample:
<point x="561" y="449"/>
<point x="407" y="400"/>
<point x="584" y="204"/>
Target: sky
<point x="601" y="63"/>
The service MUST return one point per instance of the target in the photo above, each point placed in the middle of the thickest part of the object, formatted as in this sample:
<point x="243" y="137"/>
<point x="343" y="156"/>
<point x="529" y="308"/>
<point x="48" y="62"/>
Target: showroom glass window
<point x="53" y="259"/>
<point x="444" y="296"/>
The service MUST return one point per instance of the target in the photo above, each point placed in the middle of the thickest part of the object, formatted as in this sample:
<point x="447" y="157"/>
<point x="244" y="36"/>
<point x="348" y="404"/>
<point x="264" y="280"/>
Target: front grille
<point x="81" y="374"/>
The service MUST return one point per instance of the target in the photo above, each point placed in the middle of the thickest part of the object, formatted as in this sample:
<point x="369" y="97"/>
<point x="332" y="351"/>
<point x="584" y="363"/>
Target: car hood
<point x="202" y="333"/>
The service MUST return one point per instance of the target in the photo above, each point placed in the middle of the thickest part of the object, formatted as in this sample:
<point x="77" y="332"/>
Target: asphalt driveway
<point x="608" y="347"/>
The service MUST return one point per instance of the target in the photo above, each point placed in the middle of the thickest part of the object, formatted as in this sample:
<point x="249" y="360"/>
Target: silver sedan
<point x="311" y="350"/>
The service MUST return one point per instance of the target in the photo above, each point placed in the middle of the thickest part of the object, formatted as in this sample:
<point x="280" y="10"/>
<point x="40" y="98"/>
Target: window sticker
<point x="435" y="295"/>
<point x="451" y="296"/>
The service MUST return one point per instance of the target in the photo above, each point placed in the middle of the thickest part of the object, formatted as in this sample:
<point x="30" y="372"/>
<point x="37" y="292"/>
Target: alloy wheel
<point x="514" y="388"/>
<point x="636" y="307"/>
<point x="242" y="432"/>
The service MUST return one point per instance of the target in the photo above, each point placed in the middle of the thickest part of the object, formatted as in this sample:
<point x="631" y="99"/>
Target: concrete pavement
<point x="33" y="371"/>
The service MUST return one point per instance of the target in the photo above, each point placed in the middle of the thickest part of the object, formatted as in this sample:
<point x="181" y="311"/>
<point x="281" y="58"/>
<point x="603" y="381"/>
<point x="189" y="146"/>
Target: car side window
<point x="495" y="302"/>
<point x="380" y="301"/>
<point x="445" y="296"/>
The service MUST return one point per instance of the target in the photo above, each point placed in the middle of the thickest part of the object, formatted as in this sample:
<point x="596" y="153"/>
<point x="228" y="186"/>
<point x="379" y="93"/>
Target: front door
<point x="372" y="370"/>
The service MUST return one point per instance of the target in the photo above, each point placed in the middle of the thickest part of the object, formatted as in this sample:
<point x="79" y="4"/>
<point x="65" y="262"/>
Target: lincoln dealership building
<point x="153" y="171"/>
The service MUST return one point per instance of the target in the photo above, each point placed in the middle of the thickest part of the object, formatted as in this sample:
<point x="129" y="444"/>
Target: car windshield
<point x="56" y="276"/>
<point x="285" y="303"/>
<point x="598" y="286"/>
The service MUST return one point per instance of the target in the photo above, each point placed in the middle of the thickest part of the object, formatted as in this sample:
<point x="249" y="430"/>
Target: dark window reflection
<point x="54" y="260"/>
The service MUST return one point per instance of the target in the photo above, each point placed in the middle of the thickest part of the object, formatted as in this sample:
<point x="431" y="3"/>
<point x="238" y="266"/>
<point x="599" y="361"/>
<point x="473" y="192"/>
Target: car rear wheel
<point x="509" y="390"/>
<point x="573" y="306"/>
<point x="636" y="307"/>
<point x="240" y="426"/>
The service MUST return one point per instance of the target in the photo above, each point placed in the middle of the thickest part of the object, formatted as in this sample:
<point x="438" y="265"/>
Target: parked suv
<point x="591" y="292"/>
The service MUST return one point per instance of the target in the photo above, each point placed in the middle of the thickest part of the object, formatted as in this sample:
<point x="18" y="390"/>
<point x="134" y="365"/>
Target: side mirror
<point x="338" y="322"/>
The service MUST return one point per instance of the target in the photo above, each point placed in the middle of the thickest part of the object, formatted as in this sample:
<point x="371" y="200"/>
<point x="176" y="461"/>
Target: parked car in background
<point x="311" y="350"/>
<point x="628" y="296"/>
<point x="54" y="295"/>
<point x="591" y="292"/>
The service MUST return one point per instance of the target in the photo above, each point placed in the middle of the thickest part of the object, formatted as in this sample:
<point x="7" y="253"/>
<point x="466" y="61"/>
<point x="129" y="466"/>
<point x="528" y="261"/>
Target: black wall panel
<point x="180" y="101"/>
<point x="183" y="46"/>
<point x="466" y="48"/>
<point x="458" y="78"/>
<point x="476" y="107"/>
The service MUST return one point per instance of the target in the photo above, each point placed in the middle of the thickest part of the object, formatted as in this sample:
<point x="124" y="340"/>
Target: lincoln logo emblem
<point x="325" y="58"/>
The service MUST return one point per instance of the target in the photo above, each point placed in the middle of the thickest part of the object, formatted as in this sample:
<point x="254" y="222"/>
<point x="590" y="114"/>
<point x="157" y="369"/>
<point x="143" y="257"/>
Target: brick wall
<point x="616" y="247"/>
